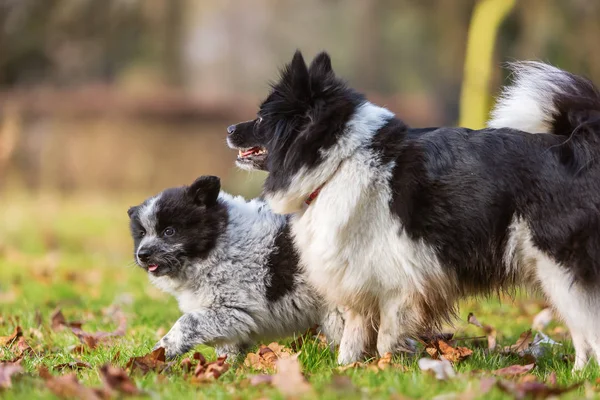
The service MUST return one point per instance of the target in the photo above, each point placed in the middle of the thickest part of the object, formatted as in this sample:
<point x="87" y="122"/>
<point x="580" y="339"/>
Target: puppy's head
<point x="177" y="227"/>
<point x="303" y="115"/>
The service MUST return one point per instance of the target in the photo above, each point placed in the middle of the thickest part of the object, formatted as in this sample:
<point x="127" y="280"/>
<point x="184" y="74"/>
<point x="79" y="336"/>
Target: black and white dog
<point x="232" y="266"/>
<point x="397" y="223"/>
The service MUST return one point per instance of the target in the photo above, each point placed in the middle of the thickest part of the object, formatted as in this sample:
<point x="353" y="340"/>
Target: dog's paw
<point x="172" y="347"/>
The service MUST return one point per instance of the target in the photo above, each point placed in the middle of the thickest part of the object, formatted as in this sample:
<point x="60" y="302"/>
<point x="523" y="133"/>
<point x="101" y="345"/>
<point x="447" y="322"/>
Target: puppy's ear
<point x="132" y="211"/>
<point x="320" y="67"/>
<point x="295" y="74"/>
<point x="205" y="190"/>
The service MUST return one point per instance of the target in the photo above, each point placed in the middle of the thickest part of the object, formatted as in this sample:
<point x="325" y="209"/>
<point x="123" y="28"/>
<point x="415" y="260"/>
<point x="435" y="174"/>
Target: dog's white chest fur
<point x="350" y="241"/>
<point x="189" y="299"/>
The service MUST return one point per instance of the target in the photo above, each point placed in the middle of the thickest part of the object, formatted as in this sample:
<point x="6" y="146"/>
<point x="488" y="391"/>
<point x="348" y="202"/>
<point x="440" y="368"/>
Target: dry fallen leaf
<point x="376" y="365"/>
<point x="209" y="371"/>
<point x="536" y="390"/>
<point x="8" y="340"/>
<point x="154" y="361"/>
<point x="59" y="322"/>
<point x="489" y="331"/>
<point x="513" y="370"/>
<point x="188" y="364"/>
<point x="266" y="356"/>
<point x="74" y="365"/>
<point x="442" y="349"/>
<point x="520" y="348"/>
<point x="91" y="340"/>
<point x="117" y="380"/>
<point x="289" y="379"/>
<point x="7" y="370"/>
<point x="68" y="387"/>
<point x="442" y="369"/>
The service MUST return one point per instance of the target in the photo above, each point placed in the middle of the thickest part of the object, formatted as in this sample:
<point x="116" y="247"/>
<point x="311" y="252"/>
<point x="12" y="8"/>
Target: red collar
<point x="311" y="197"/>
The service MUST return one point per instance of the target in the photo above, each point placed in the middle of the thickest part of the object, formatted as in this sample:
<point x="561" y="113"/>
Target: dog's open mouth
<point x="152" y="267"/>
<point x="254" y="157"/>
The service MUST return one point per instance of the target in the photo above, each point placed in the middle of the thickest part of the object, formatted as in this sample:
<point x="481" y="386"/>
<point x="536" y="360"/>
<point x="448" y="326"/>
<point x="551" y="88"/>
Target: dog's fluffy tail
<point x="545" y="99"/>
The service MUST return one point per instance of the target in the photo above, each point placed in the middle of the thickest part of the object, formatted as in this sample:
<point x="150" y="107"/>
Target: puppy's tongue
<point x="152" y="267"/>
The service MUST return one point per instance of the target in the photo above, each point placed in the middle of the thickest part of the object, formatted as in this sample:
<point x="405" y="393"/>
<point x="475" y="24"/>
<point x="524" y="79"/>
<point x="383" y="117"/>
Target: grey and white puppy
<point x="232" y="266"/>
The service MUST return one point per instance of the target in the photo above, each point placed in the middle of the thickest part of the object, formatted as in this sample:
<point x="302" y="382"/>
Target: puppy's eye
<point x="142" y="233"/>
<point x="169" y="232"/>
<point x="259" y="119"/>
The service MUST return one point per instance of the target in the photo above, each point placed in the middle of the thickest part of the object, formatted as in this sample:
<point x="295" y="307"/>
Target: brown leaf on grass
<point x="536" y="390"/>
<point x="22" y="346"/>
<point x="376" y="365"/>
<point x="68" y="387"/>
<point x="209" y="371"/>
<point x="441" y="349"/>
<point x="7" y="370"/>
<point x="58" y="321"/>
<point x="8" y="340"/>
<point x="188" y="364"/>
<point x="522" y="345"/>
<point x="489" y="331"/>
<point x="117" y="380"/>
<point x="289" y="379"/>
<point x="17" y="348"/>
<point x="91" y="340"/>
<point x="73" y="365"/>
<point x="513" y="370"/>
<point x="154" y="361"/>
<point x="266" y="356"/>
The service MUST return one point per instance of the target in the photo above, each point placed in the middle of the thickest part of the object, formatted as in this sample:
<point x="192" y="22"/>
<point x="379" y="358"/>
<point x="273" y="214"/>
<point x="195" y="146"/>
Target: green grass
<point x="75" y="254"/>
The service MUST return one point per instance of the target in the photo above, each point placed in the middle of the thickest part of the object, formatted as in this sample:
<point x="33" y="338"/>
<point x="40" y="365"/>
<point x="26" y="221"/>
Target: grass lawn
<point x="75" y="254"/>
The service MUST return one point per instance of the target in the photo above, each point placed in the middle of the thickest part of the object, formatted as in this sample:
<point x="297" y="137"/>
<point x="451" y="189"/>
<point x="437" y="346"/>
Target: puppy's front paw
<point x="172" y="347"/>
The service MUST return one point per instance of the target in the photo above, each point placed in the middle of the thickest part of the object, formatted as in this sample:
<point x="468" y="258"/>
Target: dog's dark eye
<point x="142" y="233"/>
<point x="259" y="119"/>
<point x="169" y="232"/>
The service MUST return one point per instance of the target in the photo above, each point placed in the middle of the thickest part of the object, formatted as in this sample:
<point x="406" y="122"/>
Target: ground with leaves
<point x="78" y="320"/>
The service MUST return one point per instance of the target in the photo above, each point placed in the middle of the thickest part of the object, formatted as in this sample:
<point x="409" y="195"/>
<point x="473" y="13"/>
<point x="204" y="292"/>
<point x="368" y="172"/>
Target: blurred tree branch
<point x="485" y="23"/>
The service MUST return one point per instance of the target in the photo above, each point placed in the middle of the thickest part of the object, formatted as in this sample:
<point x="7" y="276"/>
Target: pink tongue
<point x="152" y="267"/>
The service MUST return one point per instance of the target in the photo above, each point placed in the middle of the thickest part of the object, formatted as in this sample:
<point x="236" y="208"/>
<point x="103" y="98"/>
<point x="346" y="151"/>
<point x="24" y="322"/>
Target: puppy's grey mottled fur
<point x="231" y="265"/>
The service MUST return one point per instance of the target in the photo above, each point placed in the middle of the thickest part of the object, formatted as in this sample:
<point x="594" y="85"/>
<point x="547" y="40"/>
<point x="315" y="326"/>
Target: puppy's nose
<point x="143" y="255"/>
<point x="231" y="129"/>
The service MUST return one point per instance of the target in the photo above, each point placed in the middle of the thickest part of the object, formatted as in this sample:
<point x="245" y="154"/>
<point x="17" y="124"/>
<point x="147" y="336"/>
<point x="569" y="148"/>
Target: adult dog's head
<point x="298" y="133"/>
<point x="177" y="227"/>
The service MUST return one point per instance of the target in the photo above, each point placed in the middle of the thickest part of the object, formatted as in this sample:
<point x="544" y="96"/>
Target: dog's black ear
<point x="295" y="75"/>
<point x="132" y="210"/>
<point x="320" y="67"/>
<point x="205" y="190"/>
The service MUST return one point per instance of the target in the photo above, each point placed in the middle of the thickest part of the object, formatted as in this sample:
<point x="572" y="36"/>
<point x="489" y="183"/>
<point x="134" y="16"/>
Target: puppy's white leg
<point x="332" y="326"/>
<point x="231" y="350"/>
<point x="358" y="332"/>
<point x="205" y="327"/>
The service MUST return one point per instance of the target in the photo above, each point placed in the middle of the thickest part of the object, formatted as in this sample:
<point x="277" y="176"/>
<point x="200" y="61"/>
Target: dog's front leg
<point x="356" y="338"/>
<point x="206" y="327"/>
<point x="399" y="319"/>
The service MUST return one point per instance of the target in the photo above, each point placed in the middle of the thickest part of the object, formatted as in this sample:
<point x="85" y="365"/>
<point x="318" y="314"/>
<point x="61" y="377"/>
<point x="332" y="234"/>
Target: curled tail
<point x="545" y="99"/>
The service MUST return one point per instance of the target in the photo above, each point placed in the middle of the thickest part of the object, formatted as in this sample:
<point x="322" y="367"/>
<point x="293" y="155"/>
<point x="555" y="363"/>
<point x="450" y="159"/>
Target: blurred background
<point x="130" y="96"/>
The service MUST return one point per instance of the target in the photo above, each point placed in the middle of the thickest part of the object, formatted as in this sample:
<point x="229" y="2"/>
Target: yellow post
<point x="486" y="20"/>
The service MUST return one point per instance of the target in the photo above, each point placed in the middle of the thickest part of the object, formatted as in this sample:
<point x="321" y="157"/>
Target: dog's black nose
<point x="231" y="129"/>
<point x="143" y="255"/>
